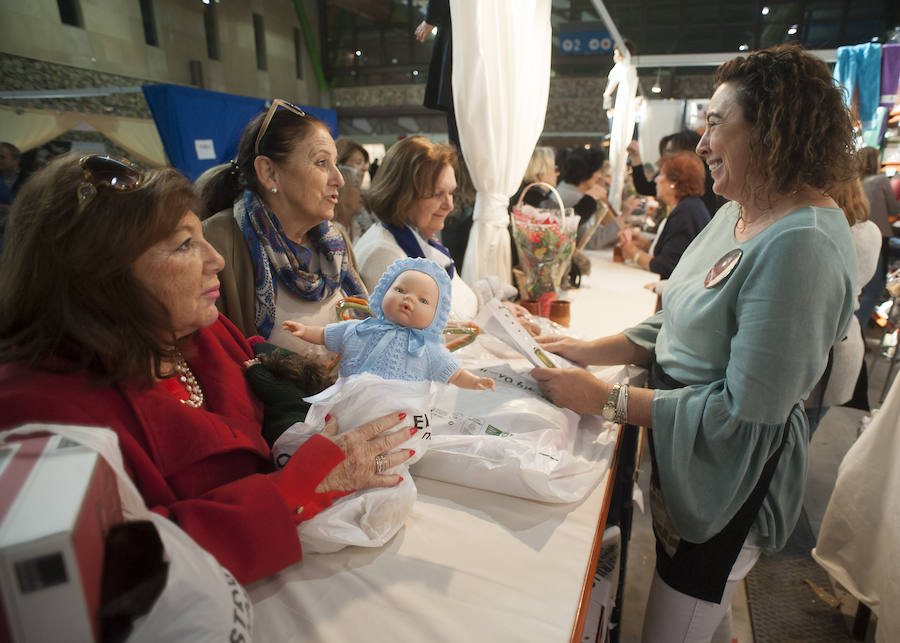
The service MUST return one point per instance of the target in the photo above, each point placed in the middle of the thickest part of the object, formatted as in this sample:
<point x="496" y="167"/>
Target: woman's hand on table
<point x="361" y="446"/>
<point x="574" y="350"/>
<point x="572" y="388"/>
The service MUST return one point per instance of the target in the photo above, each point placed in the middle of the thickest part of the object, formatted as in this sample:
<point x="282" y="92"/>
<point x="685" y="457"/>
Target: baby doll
<point x="388" y="363"/>
<point x="403" y="340"/>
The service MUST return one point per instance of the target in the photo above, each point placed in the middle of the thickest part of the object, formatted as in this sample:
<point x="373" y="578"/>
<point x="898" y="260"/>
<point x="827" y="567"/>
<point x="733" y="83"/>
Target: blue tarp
<point x="200" y="129"/>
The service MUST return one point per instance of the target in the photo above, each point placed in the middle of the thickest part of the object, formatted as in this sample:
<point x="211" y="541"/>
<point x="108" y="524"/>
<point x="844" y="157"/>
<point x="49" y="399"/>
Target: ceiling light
<point x="656" y="89"/>
<point x="765" y="11"/>
<point x="415" y="72"/>
<point x="358" y="52"/>
<point x="744" y="47"/>
<point x="792" y="30"/>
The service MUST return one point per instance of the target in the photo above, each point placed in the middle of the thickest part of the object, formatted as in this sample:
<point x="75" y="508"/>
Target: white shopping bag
<point x="201" y="602"/>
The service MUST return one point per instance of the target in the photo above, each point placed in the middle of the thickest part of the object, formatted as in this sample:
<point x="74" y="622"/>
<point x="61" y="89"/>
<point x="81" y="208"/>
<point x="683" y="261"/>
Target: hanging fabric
<point x="501" y="81"/>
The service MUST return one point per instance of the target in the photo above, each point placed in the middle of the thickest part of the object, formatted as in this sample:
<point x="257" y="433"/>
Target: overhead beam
<point x="711" y="60"/>
<point x="85" y="92"/>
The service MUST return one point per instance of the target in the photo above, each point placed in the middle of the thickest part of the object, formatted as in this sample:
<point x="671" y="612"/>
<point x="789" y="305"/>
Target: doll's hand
<point x="484" y="383"/>
<point x="250" y="362"/>
<point x="466" y="379"/>
<point x="294" y="328"/>
<point x="311" y="334"/>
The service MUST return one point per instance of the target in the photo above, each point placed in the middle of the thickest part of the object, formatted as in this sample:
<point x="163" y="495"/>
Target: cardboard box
<point x="57" y="501"/>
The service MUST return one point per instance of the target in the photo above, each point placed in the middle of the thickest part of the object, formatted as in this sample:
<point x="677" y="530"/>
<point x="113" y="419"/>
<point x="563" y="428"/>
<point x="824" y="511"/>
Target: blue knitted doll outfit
<point x="389" y="350"/>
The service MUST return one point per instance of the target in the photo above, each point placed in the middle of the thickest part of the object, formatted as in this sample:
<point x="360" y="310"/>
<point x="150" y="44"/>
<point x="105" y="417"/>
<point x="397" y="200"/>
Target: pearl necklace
<point x="186" y="377"/>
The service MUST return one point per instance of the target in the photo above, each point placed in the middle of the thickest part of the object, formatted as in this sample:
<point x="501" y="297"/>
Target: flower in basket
<point x="545" y="243"/>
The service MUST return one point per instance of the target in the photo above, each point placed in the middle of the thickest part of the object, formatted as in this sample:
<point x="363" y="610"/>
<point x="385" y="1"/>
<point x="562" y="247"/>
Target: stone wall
<point x="574" y="106"/>
<point x="21" y="73"/>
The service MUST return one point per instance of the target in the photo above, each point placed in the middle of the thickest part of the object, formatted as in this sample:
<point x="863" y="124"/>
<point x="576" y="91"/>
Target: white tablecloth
<point x="469" y="565"/>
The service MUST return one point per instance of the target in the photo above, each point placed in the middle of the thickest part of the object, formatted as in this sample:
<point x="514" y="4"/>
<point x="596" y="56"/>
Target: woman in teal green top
<point x="749" y="316"/>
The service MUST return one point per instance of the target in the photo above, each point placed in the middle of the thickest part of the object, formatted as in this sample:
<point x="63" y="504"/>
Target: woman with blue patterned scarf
<point x="273" y="205"/>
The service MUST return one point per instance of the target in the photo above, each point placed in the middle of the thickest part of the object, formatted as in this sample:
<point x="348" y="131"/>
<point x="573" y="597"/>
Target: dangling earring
<point x="273" y="190"/>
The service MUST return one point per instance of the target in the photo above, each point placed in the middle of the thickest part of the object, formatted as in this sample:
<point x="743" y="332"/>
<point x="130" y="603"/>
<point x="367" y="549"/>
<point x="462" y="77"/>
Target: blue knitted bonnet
<point x="430" y="268"/>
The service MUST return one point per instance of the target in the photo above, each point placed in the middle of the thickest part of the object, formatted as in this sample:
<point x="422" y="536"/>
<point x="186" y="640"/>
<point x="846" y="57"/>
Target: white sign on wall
<point x="206" y="150"/>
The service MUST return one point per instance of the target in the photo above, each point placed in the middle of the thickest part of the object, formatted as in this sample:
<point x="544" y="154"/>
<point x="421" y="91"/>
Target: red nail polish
<point x="401" y="416"/>
<point x="400" y="479"/>
<point x="412" y="430"/>
<point x="327" y="416"/>
<point x="412" y="452"/>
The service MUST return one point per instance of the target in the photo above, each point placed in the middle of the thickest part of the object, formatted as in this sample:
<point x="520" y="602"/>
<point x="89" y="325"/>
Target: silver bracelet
<point x="622" y="406"/>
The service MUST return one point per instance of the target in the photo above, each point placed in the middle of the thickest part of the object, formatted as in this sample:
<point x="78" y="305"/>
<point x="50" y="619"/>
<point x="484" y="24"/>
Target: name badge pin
<point x="722" y="268"/>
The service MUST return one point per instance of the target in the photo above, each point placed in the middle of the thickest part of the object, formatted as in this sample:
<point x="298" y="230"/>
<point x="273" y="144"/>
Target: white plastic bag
<point x="513" y="441"/>
<point x="201" y="602"/>
<point x="371" y="517"/>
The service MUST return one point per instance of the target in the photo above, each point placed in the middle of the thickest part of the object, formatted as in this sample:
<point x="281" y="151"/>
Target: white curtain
<point x="658" y="118"/>
<point x="622" y="129"/>
<point x="501" y="80"/>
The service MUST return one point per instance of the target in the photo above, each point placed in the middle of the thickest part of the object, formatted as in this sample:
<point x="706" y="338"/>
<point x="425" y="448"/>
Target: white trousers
<point x="673" y="617"/>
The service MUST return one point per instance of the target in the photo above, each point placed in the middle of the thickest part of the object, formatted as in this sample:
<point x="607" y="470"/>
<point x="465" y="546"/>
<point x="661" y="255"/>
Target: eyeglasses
<point x="276" y="102"/>
<point x="105" y="171"/>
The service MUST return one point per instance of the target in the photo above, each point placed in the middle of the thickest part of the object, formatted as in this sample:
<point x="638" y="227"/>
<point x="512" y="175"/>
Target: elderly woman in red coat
<point x="108" y="319"/>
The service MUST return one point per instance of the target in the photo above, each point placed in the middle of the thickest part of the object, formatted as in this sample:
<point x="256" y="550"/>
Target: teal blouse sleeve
<point x="712" y="440"/>
<point x="644" y="334"/>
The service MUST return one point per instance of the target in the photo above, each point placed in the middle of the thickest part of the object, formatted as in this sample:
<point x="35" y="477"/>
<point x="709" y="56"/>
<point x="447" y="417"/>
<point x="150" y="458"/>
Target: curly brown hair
<point x="68" y="297"/>
<point x="801" y="131"/>
<point x="685" y="170"/>
<point x="407" y="173"/>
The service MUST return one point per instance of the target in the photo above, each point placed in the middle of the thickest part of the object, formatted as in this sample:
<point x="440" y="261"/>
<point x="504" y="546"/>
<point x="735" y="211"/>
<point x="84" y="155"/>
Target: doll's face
<point x="411" y="300"/>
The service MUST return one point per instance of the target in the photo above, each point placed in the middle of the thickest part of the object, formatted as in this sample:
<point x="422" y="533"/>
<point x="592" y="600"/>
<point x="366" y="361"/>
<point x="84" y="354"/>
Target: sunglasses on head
<point x="276" y="103"/>
<point x="105" y="171"/>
